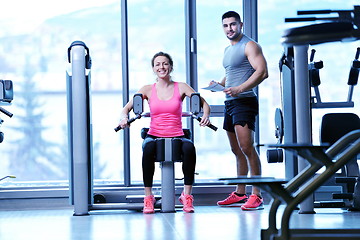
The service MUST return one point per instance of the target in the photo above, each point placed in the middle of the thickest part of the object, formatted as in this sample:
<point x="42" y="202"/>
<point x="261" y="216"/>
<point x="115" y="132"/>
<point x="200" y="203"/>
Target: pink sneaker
<point x="149" y="202"/>
<point x="187" y="201"/>
<point x="253" y="203"/>
<point x="232" y="199"/>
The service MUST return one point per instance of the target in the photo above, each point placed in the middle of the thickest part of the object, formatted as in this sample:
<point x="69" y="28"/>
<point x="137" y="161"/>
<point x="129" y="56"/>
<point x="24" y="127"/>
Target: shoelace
<point x="188" y="200"/>
<point x="253" y="200"/>
<point x="231" y="196"/>
<point x="148" y="203"/>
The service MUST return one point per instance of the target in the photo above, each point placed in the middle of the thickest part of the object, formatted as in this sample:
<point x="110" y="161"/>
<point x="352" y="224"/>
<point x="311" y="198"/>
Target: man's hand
<point x="233" y="91"/>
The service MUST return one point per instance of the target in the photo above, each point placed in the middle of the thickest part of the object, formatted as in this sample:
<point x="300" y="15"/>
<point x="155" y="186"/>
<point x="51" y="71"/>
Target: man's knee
<point x="247" y="150"/>
<point x="237" y="151"/>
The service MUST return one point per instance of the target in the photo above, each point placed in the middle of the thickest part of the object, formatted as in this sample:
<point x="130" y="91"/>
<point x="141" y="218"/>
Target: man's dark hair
<point x="230" y="14"/>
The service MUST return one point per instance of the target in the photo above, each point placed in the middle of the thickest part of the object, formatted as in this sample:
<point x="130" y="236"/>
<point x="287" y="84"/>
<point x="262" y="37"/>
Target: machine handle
<point x="184" y="114"/>
<point x="9" y="114"/>
<point x="305" y="12"/>
<point x="312" y="55"/>
<point x="118" y="128"/>
<point x="357" y="53"/>
<point x="210" y="126"/>
<point x="309" y="19"/>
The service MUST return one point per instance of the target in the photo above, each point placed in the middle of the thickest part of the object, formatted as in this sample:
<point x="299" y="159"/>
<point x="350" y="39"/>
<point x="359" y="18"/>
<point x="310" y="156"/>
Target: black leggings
<point x="149" y="155"/>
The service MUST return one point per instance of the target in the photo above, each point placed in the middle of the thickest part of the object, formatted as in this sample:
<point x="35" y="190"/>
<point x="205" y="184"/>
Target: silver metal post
<point x="303" y="112"/>
<point x="79" y="131"/>
<point x="168" y="179"/>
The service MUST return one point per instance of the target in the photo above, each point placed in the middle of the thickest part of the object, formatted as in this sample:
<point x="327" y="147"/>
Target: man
<point x="245" y="68"/>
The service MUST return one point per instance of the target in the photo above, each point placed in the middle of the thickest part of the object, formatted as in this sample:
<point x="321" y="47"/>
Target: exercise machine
<point x="80" y="140"/>
<point x="314" y="79"/>
<point x="297" y="190"/>
<point x="167" y="149"/>
<point x="300" y="187"/>
<point x="333" y="127"/>
<point x="6" y="97"/>
<point x="293" y="121"/>
<point x="286" y="120"/>
<point x="79" y="127"/>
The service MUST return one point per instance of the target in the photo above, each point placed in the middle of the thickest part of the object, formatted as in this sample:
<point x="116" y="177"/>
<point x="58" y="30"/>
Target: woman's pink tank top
<point x="165" y="115"/>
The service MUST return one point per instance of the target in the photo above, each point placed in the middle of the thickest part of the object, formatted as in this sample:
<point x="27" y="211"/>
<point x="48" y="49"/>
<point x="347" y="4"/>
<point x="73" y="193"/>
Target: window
<point x="33" y="53"/>
<point x="153" y="27"/>
<point x="214" y="156"/>
<point x="166" y="33"/>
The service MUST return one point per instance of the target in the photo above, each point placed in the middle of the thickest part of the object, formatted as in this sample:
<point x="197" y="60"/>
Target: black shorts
<point x="241" y="111"/>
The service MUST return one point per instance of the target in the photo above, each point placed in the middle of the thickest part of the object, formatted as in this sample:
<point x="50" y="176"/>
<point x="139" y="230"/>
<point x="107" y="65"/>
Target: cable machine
<point x="80" y="140"/>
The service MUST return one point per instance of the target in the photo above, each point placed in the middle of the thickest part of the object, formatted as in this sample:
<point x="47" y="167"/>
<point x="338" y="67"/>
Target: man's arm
<point x="257" y="60"/>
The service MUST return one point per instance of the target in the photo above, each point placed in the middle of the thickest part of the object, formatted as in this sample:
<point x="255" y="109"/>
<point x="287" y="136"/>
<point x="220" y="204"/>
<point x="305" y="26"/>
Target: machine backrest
<point x="336" y="125"/>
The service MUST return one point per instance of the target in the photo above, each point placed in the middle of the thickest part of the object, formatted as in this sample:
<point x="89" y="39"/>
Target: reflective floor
<point x="207" y="223"/>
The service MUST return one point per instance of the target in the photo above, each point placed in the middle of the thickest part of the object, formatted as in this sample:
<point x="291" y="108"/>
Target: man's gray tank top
<point x="237" y="67"/>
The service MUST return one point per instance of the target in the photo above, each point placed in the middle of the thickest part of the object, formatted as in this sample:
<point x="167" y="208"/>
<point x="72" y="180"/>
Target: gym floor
<point x="207" y="223"/>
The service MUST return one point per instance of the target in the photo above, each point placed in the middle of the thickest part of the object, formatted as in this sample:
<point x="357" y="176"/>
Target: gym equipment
<point x="287" y="119"/>
<point x="80" y="138"/>
<point x="10" y="176"/>
<point x="6" y="91"/>
<point x="314" y="75"/>
<point x="79" y="127"/>
<point x="303" y="185"/>
<point x="298" y="75"/>
<point x="314" y="79"/>
<point x="6" y="96"/>
<point x="138" y="109"/>
<point x="276" y="155"/>
<point x="333" y="127"/>
<point x="168" y="149"/>
<point x="195" y="109"/>
<point x="286" y="64"/>
<point x="297" y="130"/>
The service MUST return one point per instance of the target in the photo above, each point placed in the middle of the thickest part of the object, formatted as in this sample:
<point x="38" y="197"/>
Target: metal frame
<point x="125" y="86"/>
<point x="79" y="122"/>
<point x="302" y="186"/>
<point x="250" y="14"/>
<point x="190" y="16"/>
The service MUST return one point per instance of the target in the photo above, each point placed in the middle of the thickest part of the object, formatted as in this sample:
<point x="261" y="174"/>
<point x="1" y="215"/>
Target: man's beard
<point x="234" y="36"/>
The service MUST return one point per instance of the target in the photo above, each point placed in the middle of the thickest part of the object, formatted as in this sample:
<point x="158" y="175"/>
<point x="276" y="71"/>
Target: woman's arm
<point x="124" y="115"/>
<point x="186" y="90"/>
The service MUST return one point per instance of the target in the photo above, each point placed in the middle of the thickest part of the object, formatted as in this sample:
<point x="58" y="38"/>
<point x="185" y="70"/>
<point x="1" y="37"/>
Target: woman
<point x="165" y="99"/>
